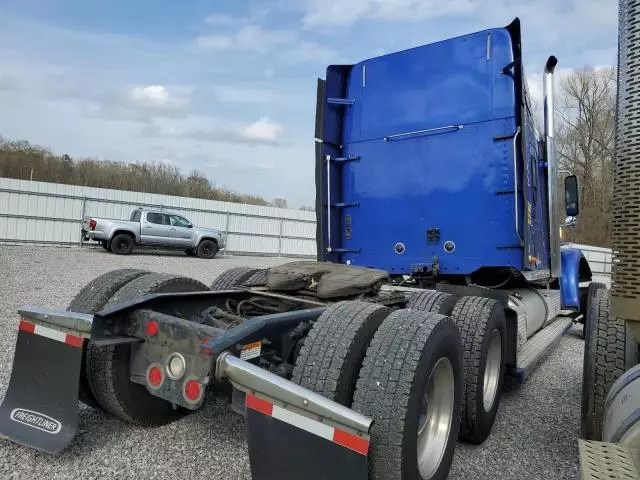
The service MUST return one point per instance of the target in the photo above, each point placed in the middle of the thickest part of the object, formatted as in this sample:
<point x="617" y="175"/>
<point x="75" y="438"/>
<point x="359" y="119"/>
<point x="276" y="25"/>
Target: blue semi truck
<point x="441" y="272"/>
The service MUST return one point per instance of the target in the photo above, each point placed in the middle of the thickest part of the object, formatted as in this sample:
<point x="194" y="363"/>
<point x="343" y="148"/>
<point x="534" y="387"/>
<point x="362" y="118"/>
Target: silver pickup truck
<point x="155" y="229"/>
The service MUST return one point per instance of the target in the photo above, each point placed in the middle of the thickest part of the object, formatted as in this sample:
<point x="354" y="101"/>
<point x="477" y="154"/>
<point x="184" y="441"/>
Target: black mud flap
<point x="284" y="445"/>
<point x="40" y="409"/>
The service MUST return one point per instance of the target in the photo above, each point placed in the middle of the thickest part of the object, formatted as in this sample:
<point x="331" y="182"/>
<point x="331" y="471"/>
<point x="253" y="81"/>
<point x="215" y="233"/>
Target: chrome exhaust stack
<point x="552" y="165"/>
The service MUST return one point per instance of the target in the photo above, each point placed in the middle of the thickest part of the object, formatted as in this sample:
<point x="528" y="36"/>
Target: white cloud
<point x="209" y="129"/>
<point x="311" y="52"/>
<point x="221" y="19"/>
<point x="341" y="12"/>
<point x="262" y="131"/>
<point x="155" y="96"/>
<point x="248" y="38"/>
<point x="215" y="42"/>
<point x="241" y="167"/>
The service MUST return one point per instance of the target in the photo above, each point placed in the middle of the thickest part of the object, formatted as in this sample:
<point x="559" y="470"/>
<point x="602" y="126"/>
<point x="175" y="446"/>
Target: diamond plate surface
<point x="522" y="329"/>
<point x="554" y="303"/>
<point x="601" y="460"/>
<point x="535" y="348"/>
<point x="626" y="172"/>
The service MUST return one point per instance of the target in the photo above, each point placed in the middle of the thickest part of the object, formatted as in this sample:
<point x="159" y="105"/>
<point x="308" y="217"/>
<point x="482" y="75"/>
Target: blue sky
<point x="228" y="87"/>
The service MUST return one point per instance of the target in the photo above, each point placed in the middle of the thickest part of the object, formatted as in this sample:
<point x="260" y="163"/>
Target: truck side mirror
<point x="571" y="196"/>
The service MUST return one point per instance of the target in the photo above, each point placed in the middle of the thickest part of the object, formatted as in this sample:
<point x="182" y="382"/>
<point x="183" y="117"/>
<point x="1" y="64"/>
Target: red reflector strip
<point x="26" y="326"/>
<point x="347" y="440"/>
<point x="353" y="442"/>
<point x="51" y="334"/>
<point x="74" y="341"/>
<point x="259" y="405"/>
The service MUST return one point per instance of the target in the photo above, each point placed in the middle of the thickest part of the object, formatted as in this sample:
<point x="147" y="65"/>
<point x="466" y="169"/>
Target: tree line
<point x="22" y="160"/>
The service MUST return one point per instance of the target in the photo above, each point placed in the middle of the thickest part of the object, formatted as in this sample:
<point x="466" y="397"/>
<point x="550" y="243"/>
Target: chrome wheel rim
<point x="436" y="414"/>
<point x="492" y="370"/>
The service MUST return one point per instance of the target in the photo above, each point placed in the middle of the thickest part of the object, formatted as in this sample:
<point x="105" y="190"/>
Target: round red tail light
<point x="155" y="376"/>
<point x="192" y="390"/>
<point x="152" y="328"/>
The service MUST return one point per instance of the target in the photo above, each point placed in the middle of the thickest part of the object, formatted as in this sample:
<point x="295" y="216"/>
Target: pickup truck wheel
<point x="589" y="307"/>
<point x="482" y="326"/>
<point x="333" y="351"/>
<point x="91" y="299"/>
<point x="207" y="249"/>
<point x="122" y="244"/>
<point x="108" y="366"/>
<point x="411" y="386"/>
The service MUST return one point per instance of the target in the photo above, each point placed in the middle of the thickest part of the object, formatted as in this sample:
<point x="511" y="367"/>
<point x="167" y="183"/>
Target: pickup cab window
<point x="178" y="221"/>
<point x="135" y="216"/>
<point x="157" y="218"/>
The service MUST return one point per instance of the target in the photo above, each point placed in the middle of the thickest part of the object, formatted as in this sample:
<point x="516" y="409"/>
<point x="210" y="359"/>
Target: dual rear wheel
<point x="401" y="368"/>
<point x="104" y="376"/>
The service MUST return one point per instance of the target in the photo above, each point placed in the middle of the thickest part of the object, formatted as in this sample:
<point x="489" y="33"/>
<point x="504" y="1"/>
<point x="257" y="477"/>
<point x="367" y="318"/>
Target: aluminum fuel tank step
<point x="537" y="346"/>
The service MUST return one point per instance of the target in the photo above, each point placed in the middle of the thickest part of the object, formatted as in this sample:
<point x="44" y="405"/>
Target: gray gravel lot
<point x="535" y="436"/>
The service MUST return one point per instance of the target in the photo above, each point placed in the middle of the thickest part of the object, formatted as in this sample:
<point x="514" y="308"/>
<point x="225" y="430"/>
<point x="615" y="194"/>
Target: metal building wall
<point x="49" y="213"/>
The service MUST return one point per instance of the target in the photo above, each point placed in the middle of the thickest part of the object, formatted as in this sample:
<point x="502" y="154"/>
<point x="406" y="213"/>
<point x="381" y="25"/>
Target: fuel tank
<point x="535" y="308"/>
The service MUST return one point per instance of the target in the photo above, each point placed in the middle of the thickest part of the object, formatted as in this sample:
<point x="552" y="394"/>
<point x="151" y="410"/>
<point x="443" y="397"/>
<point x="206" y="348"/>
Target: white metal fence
<point x="50" y="213"/>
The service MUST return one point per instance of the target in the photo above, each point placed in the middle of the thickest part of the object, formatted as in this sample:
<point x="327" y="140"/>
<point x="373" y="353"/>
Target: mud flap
<point x="40" y="409"/>
<point x="286" y="445"/>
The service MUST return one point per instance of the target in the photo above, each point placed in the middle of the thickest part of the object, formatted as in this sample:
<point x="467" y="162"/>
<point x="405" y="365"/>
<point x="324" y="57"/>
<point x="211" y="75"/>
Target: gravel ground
<point x="535" y="435"/>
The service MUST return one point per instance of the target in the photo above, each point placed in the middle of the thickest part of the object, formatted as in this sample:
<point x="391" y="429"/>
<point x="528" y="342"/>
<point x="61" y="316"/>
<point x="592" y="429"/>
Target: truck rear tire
<point x="108" y="366"/>
<point x="91" y="299"/>
<point x="589" y="309"/>
<point x="415" y="359"/>
<point x="207" y="249"/>
<point x="333" y="351"/>
<point x="432" y="301"/>
<point x="605" y="360"/>
<point x="231" y="278"/>
<point x="122" y="244"/>
<point x="482" y="326"/>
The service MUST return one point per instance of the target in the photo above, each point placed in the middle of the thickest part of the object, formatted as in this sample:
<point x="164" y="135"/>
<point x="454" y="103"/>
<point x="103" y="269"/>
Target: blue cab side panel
<point x="328" y="133"/>
<point x="574" y="269"/>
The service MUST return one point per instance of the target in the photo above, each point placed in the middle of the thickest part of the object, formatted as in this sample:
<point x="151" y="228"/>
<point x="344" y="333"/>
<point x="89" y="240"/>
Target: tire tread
<point x="231" y="278"/>
<point x="332" y="353"/>
<point x="471" y="315"/>
<point x="91" y="299"/>
<point x="386" y="379"/>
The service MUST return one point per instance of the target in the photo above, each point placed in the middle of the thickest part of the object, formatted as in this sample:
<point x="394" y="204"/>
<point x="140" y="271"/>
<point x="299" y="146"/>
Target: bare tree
<point x="585" y="146"/>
